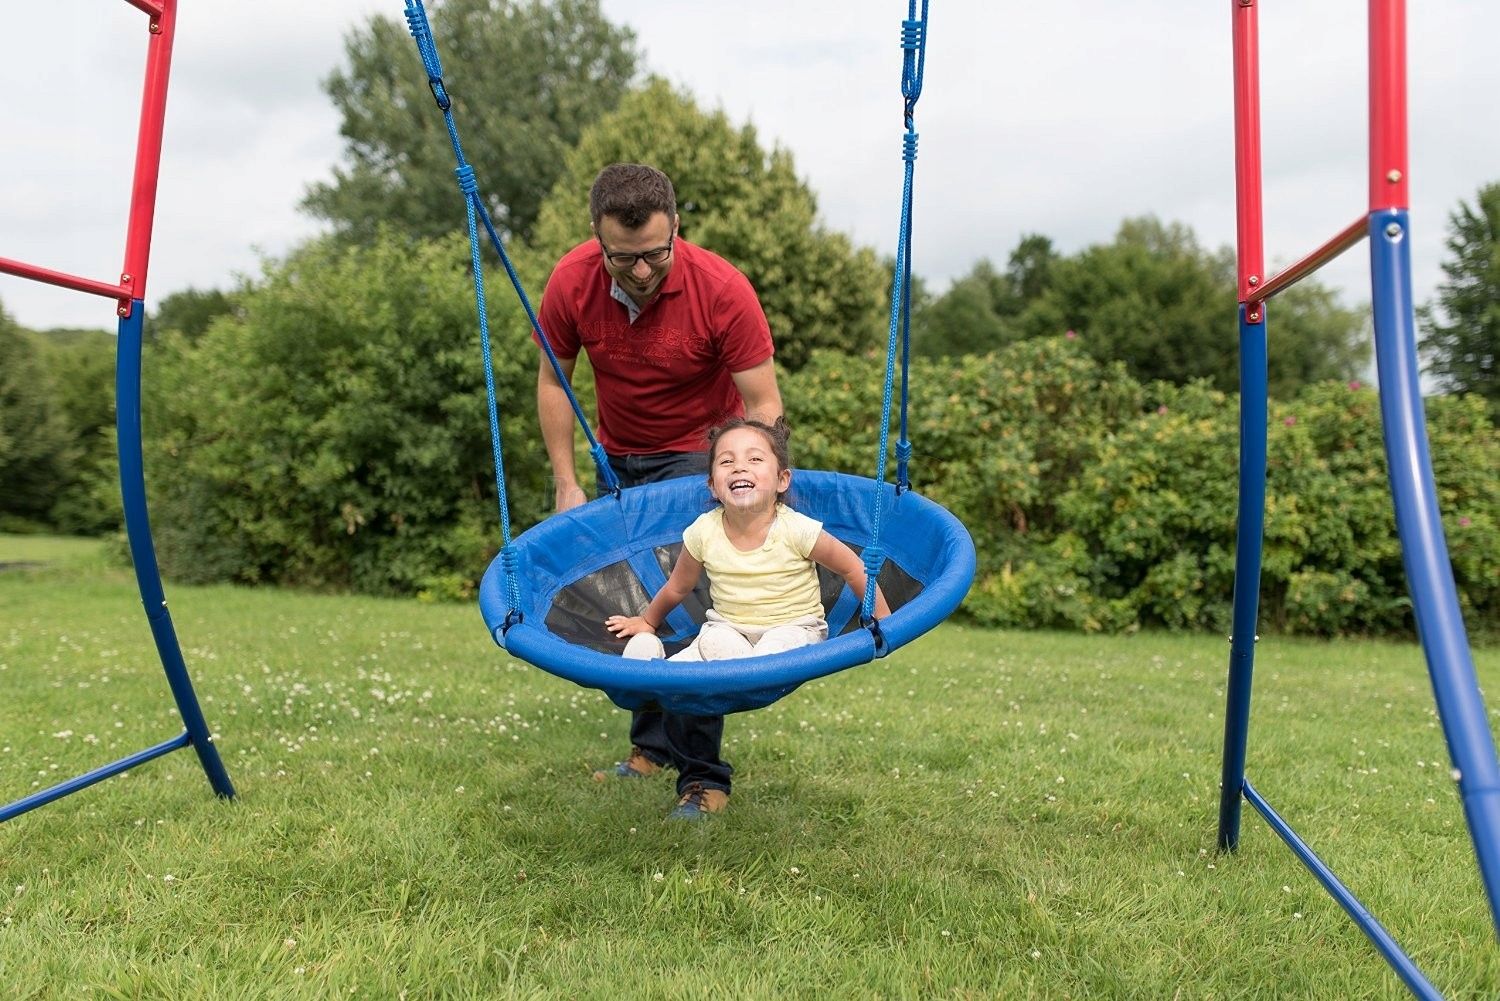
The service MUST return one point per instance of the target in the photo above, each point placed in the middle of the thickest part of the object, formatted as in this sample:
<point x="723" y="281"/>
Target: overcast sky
<point x="1059" y="118"/>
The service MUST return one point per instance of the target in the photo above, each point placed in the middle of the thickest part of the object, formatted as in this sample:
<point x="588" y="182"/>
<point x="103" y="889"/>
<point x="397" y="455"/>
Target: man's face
<point x="629" y="254"/>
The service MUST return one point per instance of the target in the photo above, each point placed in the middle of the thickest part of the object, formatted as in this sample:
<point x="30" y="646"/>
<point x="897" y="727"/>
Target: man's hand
<point x="568" y="496"/>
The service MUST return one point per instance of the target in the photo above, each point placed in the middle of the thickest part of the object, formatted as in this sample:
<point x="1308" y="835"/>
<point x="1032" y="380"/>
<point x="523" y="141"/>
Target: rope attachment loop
<point x="416" y="23"/>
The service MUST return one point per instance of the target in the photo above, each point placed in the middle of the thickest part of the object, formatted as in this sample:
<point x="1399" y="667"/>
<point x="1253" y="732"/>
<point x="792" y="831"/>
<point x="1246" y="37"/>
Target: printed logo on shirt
<point x="618" y="344"/>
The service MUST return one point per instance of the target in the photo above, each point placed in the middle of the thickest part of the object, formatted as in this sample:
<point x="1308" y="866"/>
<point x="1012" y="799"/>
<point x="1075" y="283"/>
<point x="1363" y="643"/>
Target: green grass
<point x="984" y="814"/>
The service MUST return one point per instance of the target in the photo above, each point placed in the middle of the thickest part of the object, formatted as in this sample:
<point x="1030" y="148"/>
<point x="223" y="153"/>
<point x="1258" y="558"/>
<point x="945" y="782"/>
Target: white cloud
<point x="1059" y="119"/>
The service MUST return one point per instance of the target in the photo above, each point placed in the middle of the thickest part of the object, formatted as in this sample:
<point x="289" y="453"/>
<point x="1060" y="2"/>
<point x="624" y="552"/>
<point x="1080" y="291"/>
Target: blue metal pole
<point x="87" y="779"/>
<point x="143" y="550"/>
<point x="1424" y="549"/>
<point x="1247" y="561"/>
<point x="1374" y="930"/>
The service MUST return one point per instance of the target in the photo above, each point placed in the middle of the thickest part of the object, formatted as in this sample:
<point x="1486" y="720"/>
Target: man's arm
<point x="757" y="386"/>
<point x="555" y="414"/>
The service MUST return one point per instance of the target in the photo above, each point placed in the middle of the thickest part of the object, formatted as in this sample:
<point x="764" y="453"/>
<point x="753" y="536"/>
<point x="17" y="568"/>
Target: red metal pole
<point x="64" y="280"/>
<point x="148" y="153"/>
<point x="1388" y="150"/>
<point x="1247" y="167"/>
<point x="1287" y="277"/>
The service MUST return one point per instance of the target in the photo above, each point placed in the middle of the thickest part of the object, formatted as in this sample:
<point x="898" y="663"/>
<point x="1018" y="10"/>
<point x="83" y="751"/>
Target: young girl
<point x="760" y="557"/>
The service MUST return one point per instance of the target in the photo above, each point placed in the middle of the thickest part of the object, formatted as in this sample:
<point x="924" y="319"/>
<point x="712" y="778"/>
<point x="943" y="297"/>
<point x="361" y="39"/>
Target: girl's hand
<point x="626" y="626"/>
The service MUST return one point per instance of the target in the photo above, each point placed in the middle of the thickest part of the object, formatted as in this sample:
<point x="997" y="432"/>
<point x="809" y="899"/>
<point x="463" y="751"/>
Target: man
<point x="678" y="342"/>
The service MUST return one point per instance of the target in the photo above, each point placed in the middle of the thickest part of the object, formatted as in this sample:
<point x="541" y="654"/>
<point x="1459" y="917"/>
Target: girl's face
<point x="745" y="474"/>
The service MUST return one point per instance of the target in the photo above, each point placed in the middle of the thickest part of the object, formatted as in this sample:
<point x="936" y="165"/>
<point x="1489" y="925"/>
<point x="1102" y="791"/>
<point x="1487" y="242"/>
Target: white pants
<point x="721" y="639"/>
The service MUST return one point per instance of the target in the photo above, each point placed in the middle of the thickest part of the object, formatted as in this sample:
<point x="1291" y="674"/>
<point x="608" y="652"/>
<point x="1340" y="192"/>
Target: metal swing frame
<point x="129" y="296"/>
<point x="1429" y="573"/>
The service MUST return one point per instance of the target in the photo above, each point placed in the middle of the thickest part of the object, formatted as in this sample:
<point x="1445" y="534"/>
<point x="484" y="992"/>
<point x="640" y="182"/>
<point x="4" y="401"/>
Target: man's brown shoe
<point x="698" y="802"/>
<point x="637" y="766"/>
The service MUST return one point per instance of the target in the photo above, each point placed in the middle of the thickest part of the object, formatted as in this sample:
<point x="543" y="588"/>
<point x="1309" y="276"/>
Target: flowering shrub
<point x="1097" y="503"/>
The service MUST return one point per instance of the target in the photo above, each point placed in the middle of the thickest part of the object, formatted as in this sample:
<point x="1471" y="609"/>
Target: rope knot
<point x="606" y="475"/>
<point x="510" y="564"/>
<point x="416" y="23"/>
<point x="912" y="33"/>
<point x="466" y="181"/>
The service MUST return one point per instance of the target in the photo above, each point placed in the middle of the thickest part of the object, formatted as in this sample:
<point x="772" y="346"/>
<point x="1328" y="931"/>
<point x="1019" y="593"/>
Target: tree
<point x="1160" y="303"/>
<point x="33" y="435"/>
<point x="526" y="78"/>
<point x="966" y="319"/>
<point x="739" y="201"/>
<point x="332" y="431"/>
<point x="81" y="369"/>
<point x="1314" y="339"/>
<point x="189" y="312"/>
<point x="1462" y="329"/>
<point x="976" y="314"/>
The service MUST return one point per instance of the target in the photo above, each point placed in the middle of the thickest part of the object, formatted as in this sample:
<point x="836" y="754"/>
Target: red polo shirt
<point x="663" y="380"/>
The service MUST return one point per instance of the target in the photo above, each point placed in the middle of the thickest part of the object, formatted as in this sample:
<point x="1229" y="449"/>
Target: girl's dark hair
<point x="631" y="193"/>
<point x="778" y="434"/>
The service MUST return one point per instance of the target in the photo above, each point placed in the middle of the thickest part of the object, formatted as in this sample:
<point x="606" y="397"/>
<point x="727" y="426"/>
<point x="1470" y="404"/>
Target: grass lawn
<point x="984" y="814"/>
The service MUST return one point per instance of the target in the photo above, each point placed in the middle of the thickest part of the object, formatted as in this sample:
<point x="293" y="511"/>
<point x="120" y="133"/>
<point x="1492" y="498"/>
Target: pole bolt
<point x="1254" y="279"/>
<point x="1393" y="176"/>
<point x="1254" y="317"/>
<point x="1393" y="230"/>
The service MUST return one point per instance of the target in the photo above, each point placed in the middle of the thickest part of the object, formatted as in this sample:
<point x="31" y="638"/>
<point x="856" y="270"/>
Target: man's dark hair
<point x="631" y="193"/>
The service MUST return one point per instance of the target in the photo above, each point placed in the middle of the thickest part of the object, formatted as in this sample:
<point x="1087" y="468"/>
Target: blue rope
<point x="421" y="32"/>
<point x="903" y="444"/>
<point x="603" y="470"/>
<point x="913" y="64"/>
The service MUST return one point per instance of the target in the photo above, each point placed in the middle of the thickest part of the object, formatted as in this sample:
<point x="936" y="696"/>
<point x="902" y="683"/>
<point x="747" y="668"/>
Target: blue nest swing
<point x="547" y="593"/>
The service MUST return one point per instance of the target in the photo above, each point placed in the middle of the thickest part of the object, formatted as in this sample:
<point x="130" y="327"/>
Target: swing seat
<point x="610" y="556"/>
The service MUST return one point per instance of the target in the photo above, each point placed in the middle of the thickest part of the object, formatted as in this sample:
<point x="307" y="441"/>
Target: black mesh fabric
<point x="578" y="611"/>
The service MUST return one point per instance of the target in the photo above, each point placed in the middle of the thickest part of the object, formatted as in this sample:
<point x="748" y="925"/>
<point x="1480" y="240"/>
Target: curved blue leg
<point x="1424" y="549"/>
<point x="143" y="550"/>
<point x="1247" y="561"/>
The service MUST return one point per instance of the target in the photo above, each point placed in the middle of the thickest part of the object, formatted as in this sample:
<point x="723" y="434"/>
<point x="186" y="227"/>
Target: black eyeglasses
<point x="653" y="257"/>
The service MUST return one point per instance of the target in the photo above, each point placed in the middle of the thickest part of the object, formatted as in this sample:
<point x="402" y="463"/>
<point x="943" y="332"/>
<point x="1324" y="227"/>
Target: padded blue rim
<point x="921" y="536"/>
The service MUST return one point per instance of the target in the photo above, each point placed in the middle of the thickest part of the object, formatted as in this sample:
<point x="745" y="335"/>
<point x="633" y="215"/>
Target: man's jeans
<point x="691" y="744"/>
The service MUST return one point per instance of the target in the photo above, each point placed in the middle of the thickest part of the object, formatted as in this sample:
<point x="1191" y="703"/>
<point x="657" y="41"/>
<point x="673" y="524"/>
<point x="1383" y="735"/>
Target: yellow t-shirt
<point x="775" y="583"/>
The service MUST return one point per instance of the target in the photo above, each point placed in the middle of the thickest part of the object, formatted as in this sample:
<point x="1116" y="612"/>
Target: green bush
<point x="1099" y="504"/>
<point x="34" y="436"/>
<point x="993" y="435"/>
<point x="332" y="432"/>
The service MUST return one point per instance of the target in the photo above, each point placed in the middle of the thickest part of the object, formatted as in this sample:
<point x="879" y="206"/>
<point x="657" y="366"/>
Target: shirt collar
<point x="672" y="285"/>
